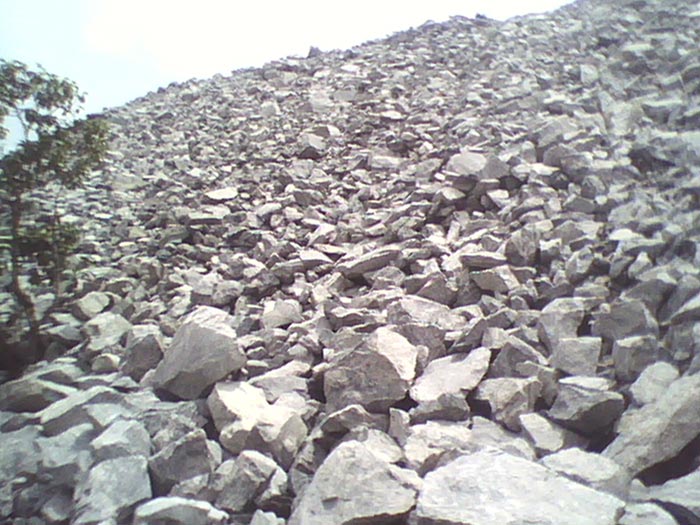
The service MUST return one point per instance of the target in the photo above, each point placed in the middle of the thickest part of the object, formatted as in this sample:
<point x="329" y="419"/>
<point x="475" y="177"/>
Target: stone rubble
<point x="449" y="276"/>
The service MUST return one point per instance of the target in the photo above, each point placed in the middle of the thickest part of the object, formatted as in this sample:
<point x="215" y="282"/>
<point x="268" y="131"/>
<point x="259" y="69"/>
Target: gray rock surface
<point x="203" y="351"/>
<point x="178" y="511"/>
<point x="492" y="487"/>
<point x="353" y="485"/>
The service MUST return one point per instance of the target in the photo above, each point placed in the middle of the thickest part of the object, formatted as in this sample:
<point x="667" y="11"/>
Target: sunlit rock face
<point x="450" y="276"/>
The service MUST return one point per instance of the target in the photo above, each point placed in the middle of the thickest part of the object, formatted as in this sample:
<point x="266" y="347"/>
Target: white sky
<point x="117" y="50"/>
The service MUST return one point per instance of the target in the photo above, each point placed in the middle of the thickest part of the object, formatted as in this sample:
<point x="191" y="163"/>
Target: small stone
<point x="632" y="355"/>
<point x="90" y="305"/>
<point x="178" y="511"/>
<point x="144" y="350"/>
<point x="281" y="313"/>
<point x="509" y="398"/>
<point x="577" y="356"/>
<point x="497" y="279"/>
<point x="546" y="436"/>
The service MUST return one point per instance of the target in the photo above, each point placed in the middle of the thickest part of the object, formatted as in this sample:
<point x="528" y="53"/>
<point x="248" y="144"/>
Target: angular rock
<point x="560" y="320"/>
<point x="454" y="374"/>
<point x="122" y="438"/>
<point x="509" y="398"/>
<point x="625" y="318"/>
<point x="632" y="355"/>
<point x="99" y="498"/>
<point x="281" y="313"/>
<point x="105" y="330"/>
<point x="546" y="436"/>
<point x="66" y="457"/>
<point x="246" y="420"/>
<point x="352" y="486"/>
<point x="90" y="305"/>
<point x="586" y="405"/>
<point x="491" y="487"/>
<point x="376" y="375"/>
<point x="371" y="261"/>
<point x="577" y="356"/>
<point x="659" y="430"/>
<point x="189" y="456"/>
<point x="646" y="514"/>
<point x="31" y="394"/>
<point x="427" y="443"/>
<point x="414" y="309"/>
<point x="594" y="470"/>
<point x="653" y="382"/>
<point x="239" y="482"/>
<point x="497" y="279"/>
<point x="203" y="351"/>
<point x="144" y="350"/>
<point x="680" y="496"/>
<point x="178" y="511"/>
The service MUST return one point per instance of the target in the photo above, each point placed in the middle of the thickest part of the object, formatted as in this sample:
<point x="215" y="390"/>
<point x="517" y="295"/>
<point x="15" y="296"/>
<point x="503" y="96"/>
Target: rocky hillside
<point x="448" y="277"/>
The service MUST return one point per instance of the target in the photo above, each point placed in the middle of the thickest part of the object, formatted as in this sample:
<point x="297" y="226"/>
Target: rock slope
<point x="451" y="276"/>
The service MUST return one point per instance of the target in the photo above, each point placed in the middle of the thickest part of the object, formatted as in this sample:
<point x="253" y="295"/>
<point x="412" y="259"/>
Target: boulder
<point x="457" y="374"/>
<point x="355" y="486"/>
<point x="586" y="405"/>
<point x="203" y="351"/>
<point x="375" y="375"/>
<point x="491" y="487"/>
<point x="660" y="429"/>
<point x="189" y="456"/>
<point x="99" y="497"/>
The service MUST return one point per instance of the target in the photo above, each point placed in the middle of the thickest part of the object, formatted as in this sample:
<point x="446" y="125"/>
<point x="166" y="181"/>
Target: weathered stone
<point x="105" y="330"/>
<point x="413" y="309"/>
<point x="546" y="436"/>
<point x="454" y="374"/>
<point x="246" y="420"/>
<point x="586" y="405"/>
<point x="144" y="350"/>
<point x="681" y="496"/>
<point x="594" y="470"/>
<point x="497" y="279"/>
<point x="375" y="375"/>
<point x="239" y="482"/>
<point x="90" y="305"/>
<point x="624" y="319"/>
<point x="31" y="394"/>
<point x="577" y="356"/>
<point x="189" y="456"/>
<point x="427" y="443"/>
<point x="646" y="514"/>
<point x="99" y="498"/>
<point x="491" y="487"/>
<point x="660" y="429"/>
<point x="653" y="382"/>
<point x="178" y="511"/>
<point x="632" y="355"/>
<point x="122" y="438"/>
<point x="74" y="409"/>
<point x="281" y="313"/>
<point x="560" y="320"/>
<point x="508" y="398"/>
<point x="353" y="485"/>
<point x="203" y="351"/>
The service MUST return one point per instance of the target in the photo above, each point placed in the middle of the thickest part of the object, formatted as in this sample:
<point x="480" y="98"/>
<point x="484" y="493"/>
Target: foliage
<point x="57" y="152"/>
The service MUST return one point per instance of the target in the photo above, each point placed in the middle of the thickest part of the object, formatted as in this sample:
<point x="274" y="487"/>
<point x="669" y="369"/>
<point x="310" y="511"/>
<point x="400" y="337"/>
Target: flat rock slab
<point x="178" y="511"/>
<point x="355" y="486"/>
<point x="204" y="350"/>
<point x="454" y="374"/>
<point x="491" y="487"/>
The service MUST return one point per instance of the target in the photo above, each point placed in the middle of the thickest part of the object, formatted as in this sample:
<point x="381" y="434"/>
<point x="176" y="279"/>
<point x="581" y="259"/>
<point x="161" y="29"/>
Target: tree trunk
<point x="23" y="298"/>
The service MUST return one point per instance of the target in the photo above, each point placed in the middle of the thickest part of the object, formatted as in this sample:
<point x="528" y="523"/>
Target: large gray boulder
<point x="355" y="486"/>
<point x="375" y="375"/>
<point x="203" y="351"/>
<point x="661" y="429"/>
<point x="111" y="490"/>
<point x="491" y="487"/>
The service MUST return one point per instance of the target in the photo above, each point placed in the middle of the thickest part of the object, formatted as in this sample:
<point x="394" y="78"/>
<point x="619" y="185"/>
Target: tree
<point x="58" y="151"/>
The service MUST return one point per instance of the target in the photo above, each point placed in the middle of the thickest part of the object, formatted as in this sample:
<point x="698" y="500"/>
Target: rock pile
<point x="451" y="276"/>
